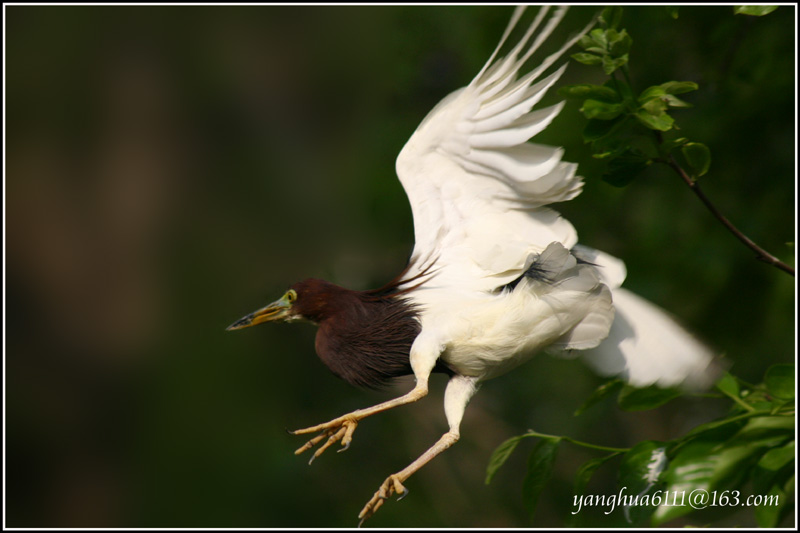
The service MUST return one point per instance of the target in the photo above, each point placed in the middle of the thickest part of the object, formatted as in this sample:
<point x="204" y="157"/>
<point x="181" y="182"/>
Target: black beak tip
<point x="241" y="323"/>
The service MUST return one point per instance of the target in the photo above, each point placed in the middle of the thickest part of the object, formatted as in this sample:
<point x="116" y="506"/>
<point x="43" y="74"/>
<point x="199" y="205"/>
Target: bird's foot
<point x="392" y="485"/>
<point x="338" y="429"/>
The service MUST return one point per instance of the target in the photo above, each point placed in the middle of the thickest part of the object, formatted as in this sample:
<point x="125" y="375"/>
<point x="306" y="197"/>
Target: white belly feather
<point x="485" y="334"/>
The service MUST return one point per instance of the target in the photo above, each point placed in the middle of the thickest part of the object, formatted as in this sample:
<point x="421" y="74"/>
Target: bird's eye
<point x="291" y="295"/>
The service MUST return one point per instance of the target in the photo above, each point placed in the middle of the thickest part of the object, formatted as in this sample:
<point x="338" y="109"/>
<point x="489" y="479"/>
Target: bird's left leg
<point x="424" y="353"/>
<point x="456" y="397"/>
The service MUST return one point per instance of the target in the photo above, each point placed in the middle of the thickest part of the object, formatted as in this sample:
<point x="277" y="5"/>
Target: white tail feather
<point x="647" y="347"/>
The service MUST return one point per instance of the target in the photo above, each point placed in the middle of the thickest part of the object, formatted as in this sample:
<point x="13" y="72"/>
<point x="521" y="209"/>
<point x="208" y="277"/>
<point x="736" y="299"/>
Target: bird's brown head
<point x="309" y="299"/>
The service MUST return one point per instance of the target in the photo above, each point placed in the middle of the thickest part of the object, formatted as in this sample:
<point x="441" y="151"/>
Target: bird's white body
<point x="483" y="334"/>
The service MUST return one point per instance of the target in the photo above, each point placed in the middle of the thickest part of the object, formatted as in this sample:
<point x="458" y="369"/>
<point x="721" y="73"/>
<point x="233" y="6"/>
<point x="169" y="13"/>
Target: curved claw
<point x="340" y="429"/>
<point x="391" y="485"/>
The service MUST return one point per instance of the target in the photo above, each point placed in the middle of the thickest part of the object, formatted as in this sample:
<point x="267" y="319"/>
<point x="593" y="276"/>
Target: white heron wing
<point x="477" y="188"/>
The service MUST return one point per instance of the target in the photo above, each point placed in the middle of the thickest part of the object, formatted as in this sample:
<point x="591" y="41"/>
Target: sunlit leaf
<point x="596" y="109"/>
<point x="598" y="36"/>
<point x="639" y="474"/>
<point x="691" y="468"/>
<point x="587" y="59"/>
<point x="656" y="91"/>
<point x="757" y="11"/>
<point x="661" y="122"/>
<point x="655" y="106"/>
<point x="678" y="87"/>
<point x="674" y="101"/>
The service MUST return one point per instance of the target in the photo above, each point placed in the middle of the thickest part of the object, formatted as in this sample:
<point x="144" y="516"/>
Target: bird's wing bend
<point x="476" y="186"/>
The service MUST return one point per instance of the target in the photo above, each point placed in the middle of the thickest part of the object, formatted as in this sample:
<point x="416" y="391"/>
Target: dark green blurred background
<point x="173" y="168"/>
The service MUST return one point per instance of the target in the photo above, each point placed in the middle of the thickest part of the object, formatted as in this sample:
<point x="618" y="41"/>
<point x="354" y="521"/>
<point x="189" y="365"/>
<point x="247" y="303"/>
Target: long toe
<point x="340" y="429"/>
<point x="391" y="485"/>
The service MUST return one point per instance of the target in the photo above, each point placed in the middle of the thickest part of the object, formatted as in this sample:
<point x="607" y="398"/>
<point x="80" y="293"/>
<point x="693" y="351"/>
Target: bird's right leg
<point x="456" y="397"/>
<point x="424" y="354"/>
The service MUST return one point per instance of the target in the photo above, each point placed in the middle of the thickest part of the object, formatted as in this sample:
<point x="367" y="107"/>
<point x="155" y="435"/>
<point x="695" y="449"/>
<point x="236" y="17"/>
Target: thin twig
<point x="761" y="254"/>
<point x="532" y="433"/>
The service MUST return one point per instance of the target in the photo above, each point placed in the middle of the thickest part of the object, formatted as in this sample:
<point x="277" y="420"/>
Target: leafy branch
<point x="752" y="447"/>
<point x="627" y="130"/>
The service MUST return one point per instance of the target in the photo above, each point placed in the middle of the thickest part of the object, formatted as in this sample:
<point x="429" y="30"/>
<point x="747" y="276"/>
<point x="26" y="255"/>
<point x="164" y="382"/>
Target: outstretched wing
<point x="476" y="186"/>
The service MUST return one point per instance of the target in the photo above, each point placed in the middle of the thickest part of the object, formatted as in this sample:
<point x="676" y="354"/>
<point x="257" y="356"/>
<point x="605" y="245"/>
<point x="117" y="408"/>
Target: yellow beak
<point x="277" y="310"/>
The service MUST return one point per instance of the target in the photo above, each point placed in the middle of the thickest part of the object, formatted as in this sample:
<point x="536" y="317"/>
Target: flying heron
<point x="495" y="276"/>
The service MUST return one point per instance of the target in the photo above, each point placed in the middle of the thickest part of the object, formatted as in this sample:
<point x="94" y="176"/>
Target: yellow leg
<point x="342" y="428"/>
<point x="458" y="393"/>
<point x="394" y="483"/>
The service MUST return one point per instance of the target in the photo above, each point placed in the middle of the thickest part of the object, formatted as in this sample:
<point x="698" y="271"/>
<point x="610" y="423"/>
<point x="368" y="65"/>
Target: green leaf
<point x="728" y="385"/>
<point x="596" y="109"/>
<point x="768" y="516"/>
<point x="540" y="466"/>
<point x="691" y="468"/>
<point x="619" y="43"/>
<point x="611" y="17"/>
<point x="710" y="428"/>
<point x="757" y="11"/>
<point x="586" y="90"/>
<point x="625" y="168"/>
<point x="643" y="465"/>
<point x="732" y="465"/>
<point x="598" y="37"/>
<point x="777" y="458"/>
<point x="587" y="59"/>
<point x="678" y="87"/>
<point x="597" y="129"/>
<point x="674" y="101"/>
<point x="698" y="156"/>
<point x="610" y="64"/>
<point x="655" y="106"/>
<point x="779" y="380"/>
<point x="500" y="455"/>
<point x="603" y="391"/>
<point x="662" y="122"/>
<point x="668" y="145"/>
<point x="640" y="472"/>
<point x="774" y="466"/>
<point x="655" y="91"/>
<point x="634" y="399"/>
<point x="586" y="472"/>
